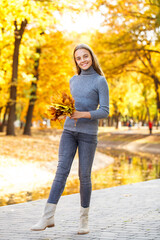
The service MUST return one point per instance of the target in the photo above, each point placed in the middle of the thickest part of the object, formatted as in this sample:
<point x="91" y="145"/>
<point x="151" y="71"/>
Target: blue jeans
<point x="86" y="144"/>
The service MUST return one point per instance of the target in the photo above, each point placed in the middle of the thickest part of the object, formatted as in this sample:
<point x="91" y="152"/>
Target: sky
<point x="81" y="22"/>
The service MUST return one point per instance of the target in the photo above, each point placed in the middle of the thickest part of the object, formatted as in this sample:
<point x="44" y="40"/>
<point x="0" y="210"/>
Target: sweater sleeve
<point x="103" y="92"/>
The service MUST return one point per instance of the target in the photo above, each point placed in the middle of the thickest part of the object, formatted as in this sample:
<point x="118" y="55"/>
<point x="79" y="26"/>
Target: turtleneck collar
<point x="89" y="71"/>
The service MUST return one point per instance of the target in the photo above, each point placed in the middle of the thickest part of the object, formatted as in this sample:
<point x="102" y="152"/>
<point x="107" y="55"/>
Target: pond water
<point x="127" y="168"/>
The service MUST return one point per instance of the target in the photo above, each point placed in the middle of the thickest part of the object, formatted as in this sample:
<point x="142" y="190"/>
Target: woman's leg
<point x="67" y="151"/>
<point x="87" y="144"/>
<point x="86" y="147"/>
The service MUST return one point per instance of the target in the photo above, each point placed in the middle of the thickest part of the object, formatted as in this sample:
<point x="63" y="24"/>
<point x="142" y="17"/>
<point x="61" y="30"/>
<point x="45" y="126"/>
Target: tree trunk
<point x="112" y="121"/>
<point x="4" y="118"/>
<point x="1" y="110"/>
<point x="0" y="119"/>
<point x="157" y="87"/>
<point x="117" y="116"/>
<point x="147" y="108"/>
<point x="27" y="129"/>
<point x="148" y="113"/>
<point x="144" y="119"/>
<point x="109" y="121"/>
<point x="155" y="119"/>
<point x="18" y="33"/>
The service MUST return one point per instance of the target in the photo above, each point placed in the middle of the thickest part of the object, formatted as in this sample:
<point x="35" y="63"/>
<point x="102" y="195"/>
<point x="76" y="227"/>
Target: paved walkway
<point x="134" y="146"/>
<point x="143" y="147"/>
<point x="134" y="130"/>
<point x="125" y="212"/>
<point x="144" y="144"/>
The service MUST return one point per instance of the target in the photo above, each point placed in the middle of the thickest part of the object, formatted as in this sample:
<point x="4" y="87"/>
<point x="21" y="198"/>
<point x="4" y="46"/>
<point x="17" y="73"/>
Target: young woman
<point x="89" y="89"/>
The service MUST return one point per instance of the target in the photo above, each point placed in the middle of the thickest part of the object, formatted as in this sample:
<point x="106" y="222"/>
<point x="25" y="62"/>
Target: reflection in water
<point x="127" y="168"/>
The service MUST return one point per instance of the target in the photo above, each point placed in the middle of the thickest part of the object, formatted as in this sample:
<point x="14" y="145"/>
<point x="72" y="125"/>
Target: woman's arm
<point x="103" y="92"/>
<point x="76" y="115"/>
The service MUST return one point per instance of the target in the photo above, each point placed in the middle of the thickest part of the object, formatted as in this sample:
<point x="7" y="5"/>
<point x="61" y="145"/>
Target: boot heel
<point x="51" y="226"/>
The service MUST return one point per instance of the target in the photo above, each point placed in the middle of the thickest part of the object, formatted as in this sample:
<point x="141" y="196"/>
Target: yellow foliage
<point x="61" y="107"/>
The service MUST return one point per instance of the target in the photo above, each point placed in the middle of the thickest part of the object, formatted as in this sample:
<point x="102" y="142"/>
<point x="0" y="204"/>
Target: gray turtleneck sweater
<point x="89" y="89"/>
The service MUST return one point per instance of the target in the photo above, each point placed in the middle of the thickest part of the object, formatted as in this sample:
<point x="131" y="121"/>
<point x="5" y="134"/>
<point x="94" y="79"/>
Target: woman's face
<point x="83" y="58"/>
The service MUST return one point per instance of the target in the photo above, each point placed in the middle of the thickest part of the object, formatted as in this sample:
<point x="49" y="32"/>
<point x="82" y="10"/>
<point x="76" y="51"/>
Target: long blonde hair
<point x="95" y="63"/>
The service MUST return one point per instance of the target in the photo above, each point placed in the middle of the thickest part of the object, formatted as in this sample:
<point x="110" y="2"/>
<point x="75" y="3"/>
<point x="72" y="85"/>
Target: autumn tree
<point x="33" y="93"/>
<point x="49" y="68"/>
<point x="6" y="49"/>
<point x="24" y="11"/>
<point x="55" y="72"/>
<point x="13" y="89"/>
<point x="129" y="40"/>
<point x="14" y="14"/>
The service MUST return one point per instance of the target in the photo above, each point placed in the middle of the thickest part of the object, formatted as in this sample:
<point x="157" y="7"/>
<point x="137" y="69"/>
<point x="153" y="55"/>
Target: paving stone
<point x="112" y="215"/>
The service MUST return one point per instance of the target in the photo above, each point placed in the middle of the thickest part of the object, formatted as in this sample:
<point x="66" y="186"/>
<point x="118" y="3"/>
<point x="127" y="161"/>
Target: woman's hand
<point x="76" y="115"/>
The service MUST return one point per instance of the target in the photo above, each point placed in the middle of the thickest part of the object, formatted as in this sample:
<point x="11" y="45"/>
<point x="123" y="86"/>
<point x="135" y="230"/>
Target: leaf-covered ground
<point x="27" y="162"/>
<point x="38" y="147"/>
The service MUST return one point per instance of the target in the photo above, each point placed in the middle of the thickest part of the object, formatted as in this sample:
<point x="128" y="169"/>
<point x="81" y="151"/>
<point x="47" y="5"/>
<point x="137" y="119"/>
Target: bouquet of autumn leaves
<point x="61" y="107"/>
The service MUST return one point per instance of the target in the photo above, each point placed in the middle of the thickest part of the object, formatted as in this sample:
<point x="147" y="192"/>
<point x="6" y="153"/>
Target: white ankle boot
<point x="83" y="227"/>
<point x="47" y="219"/>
